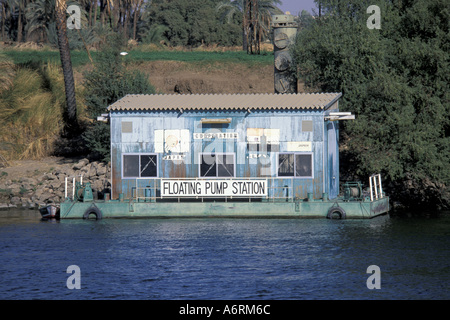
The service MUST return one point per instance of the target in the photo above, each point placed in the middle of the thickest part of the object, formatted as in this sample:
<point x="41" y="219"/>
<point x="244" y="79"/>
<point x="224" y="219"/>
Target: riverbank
<point x="28" y="184"/>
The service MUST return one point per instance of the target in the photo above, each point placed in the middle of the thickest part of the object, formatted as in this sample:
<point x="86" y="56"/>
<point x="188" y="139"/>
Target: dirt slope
<point x="187" y="78"/>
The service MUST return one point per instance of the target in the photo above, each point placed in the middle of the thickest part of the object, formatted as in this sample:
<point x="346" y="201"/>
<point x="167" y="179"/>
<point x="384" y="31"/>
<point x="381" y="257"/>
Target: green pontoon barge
<point x="220" y="155"/>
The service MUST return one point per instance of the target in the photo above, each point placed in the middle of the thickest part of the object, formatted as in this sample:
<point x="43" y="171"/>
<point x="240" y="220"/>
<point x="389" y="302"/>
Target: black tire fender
<point x="336" y="210"/>
<point x="93" y="210"/>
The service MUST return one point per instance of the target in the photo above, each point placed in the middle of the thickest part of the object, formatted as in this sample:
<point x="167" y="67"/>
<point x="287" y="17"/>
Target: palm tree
<point x="136" y="5"/>
<point x="265" y="10"/>
<point x="233" y="7"/>
<point x="12" y="10"/>
<point x="21" y="21"/>
<point x="3" y="18"/>
<point x="69" y="82"/>
<point x="39" y="13"/>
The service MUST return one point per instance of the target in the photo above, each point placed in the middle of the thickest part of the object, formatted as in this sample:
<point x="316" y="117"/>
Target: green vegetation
<point x="191" y="23"/>
<point x="80" y="58"/>
<point x="176" y="22"/>
<point x="396" y="81"/>
<point x="32" y="93"/>
<point x="106" y="83"/>
<point x="203" y="57"/>
<point x="31" y="108"/>
<point x="29" y="94"/>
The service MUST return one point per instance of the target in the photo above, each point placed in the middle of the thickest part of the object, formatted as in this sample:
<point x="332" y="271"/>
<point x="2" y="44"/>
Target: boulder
<point x="26" y="181"/>
<point x="15" y="201"/>
<point x="80" y="164"/>
<point x="101" y="169"/>
<point x="56" y="184"/>
<point x="92" y="171"/>
<point x="49" y="176"/>
<point x="44" y="197"/>
<point x="15" y="188"/>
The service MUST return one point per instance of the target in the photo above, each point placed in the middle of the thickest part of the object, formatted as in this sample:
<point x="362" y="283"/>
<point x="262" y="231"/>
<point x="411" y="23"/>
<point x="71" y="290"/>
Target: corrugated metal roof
<point x="225" y="101"/>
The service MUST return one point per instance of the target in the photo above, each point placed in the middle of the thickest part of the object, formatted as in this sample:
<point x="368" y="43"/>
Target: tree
<point x="71" y="119"/>
<point x="3" y="18"/>
<point x="265" y="9"/>
<point x="41" y="26"/>
<point x="21" y="4"/>
<point x="233" y="8"/>
<point x="136" y="6"/>
<point x="395" y="80"/>
<point x="13" y="19"/>
<point x="191" y="23"/>
<point x="305" y="19"/>
<point x="108" y="82"/>
<point x="39" y="14"/>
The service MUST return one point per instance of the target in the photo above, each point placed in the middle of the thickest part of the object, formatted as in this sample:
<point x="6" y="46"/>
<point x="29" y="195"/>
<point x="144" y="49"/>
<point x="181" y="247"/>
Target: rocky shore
<point x="30" y="184"/>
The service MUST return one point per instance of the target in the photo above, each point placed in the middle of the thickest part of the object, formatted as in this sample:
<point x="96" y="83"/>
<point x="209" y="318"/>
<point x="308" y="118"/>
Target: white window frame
<point x="140" y="154"/>
<point x="216" y="153"/>
<point x="295" y="163"/>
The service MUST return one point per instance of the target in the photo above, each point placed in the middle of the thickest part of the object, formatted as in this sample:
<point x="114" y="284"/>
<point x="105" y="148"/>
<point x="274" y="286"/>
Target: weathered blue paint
<point x="141" y="140"/>
<point x="303" y="140"/>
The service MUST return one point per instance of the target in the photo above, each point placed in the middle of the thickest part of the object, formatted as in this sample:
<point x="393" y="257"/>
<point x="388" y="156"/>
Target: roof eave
<point x="332" y="102"/>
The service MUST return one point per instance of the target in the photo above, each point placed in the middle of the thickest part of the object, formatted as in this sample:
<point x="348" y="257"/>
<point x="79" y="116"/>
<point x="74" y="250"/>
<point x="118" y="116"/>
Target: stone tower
<point x="284" y="33"/>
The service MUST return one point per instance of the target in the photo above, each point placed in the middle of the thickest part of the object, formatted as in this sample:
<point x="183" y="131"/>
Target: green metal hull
<point x="231" y="209"/>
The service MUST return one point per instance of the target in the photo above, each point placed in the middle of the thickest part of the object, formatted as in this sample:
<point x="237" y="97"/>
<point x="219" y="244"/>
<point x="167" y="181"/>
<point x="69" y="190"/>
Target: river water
<point x="216" y="259"/>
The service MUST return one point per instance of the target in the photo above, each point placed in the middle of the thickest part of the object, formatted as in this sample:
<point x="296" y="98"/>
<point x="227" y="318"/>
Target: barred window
<point x="298" y="165"/>
<point x="139" y="165"/>
<point x="217" y="165"/>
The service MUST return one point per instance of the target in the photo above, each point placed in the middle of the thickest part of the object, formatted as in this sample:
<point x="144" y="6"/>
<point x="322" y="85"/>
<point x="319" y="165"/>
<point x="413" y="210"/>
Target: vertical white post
<point x="65" y="188"/>
<point x="81" y="179"/>
<point x="379" y="182"/>
<point x="375" y="187"/>
<point x="371" y="190"/>
<point x="73" y="188"/>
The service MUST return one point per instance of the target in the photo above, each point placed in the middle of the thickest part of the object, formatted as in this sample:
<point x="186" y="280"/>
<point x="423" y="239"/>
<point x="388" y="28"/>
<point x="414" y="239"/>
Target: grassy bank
<point x="202" y="57"/>
<point x="80" y="58"/>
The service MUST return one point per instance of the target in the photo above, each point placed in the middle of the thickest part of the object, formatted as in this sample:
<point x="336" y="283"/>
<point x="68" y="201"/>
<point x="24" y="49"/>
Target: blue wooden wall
<point x="139" y="137"/>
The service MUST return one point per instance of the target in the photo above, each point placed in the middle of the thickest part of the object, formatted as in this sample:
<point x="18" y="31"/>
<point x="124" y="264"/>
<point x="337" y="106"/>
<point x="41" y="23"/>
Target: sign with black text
<point x="214" y="188"/>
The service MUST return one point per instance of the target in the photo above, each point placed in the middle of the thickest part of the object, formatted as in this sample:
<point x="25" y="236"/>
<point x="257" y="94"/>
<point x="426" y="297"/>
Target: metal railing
<point x="149" y="190"/>
<point x="72" y="179"/>
<point x="376" y="190"/>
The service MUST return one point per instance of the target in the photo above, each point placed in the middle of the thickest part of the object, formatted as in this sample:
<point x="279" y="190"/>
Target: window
<point x="286" y="164"/>
<point x="140" y="166"/>
<point x="217" y="165"/>
<point x="298" y="165"/>
<point x="303" y="165"/>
